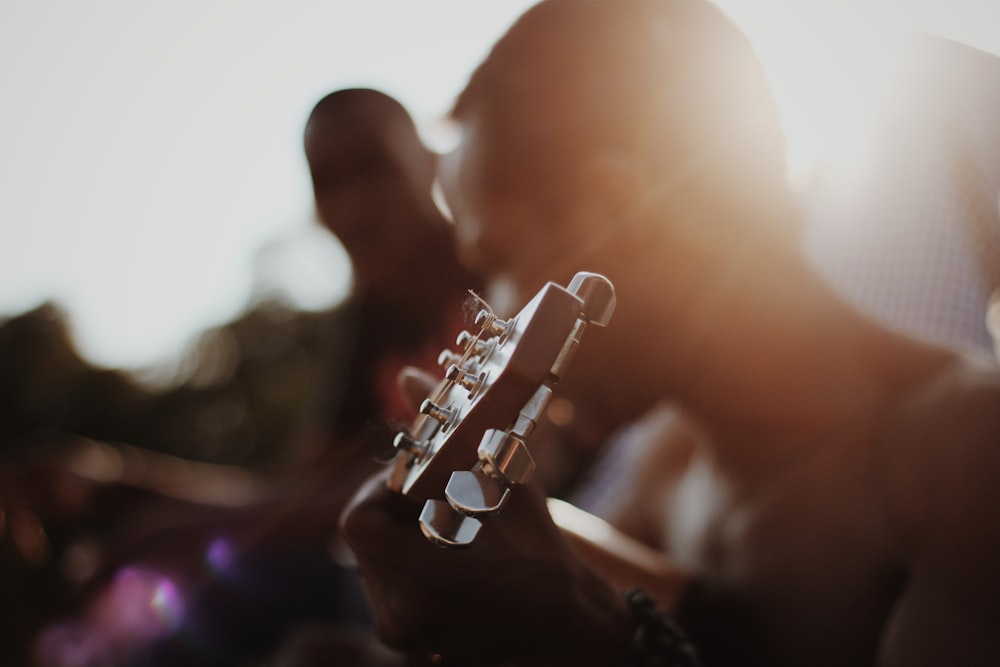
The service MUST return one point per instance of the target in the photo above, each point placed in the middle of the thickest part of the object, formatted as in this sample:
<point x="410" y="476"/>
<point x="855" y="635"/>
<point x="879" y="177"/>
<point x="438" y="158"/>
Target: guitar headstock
<point x="467" y="446"/>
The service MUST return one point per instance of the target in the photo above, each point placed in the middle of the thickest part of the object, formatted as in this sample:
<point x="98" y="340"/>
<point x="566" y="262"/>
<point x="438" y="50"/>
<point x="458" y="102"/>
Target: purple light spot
<point x="220" y="554"/>
<point x="167" y="604"/>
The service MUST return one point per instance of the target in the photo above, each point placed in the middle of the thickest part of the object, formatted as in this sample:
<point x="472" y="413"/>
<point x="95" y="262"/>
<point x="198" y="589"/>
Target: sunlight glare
<point x="826" y="63"/>
<point x="150" y="149"/>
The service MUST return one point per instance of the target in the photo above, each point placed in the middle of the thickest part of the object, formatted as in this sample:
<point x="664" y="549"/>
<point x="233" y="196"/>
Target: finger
<point x="374" y="515"/>
<point x="414" y="385"/>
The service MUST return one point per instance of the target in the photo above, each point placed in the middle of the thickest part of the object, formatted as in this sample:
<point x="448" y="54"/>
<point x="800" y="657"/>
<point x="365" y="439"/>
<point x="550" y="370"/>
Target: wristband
<point x="658" y="641"/>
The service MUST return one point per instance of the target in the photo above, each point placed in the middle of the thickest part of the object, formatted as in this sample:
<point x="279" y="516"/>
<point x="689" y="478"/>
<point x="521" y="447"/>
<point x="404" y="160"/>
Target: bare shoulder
<point x="940" y="444"/>
<point x="955" y="410"/>
<point x="940" y="454"/>
<point x="962" y="399"/>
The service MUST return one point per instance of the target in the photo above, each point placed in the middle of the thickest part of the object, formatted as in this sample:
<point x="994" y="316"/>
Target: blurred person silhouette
<point x="242" y="580"/>
<point x="373" y="178"/>
<point x="910" y="229"/>
<point x="829" y="490"/>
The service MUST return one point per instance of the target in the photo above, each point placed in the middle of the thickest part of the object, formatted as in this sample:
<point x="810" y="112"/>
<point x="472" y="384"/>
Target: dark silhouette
<point x="238" y="559"/>
<point x="86" y="450"/>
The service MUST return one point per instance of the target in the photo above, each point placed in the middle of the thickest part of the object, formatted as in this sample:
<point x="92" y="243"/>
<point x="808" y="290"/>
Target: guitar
<point x="468" y="446"/>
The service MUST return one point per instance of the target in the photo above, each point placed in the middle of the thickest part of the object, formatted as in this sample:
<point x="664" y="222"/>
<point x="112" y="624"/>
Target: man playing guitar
<point x="832" y="489"/>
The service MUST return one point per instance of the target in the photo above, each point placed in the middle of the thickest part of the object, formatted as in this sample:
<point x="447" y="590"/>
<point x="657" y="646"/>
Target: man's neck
<point x="752" y="341"/>
<point x="772" y="362"/>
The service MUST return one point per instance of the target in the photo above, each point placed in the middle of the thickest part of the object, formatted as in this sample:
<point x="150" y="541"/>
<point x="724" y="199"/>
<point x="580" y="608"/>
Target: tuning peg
<point x="441" y="524"/>
<point x="436" y="412"/>
<point x="476" y="494"/>
<point x="466" y="380"/>
<point x="532" y="412"/>
<point x="404" y="441"/>
<point x="448" y="358"/>
<point x="569" y="349"/>
<point x="598" y="297"/>
<point x="473" y="345"/>
<point x="597" y="294"/>
<point x="505" y="456"/>
<point x="488" y="322"/>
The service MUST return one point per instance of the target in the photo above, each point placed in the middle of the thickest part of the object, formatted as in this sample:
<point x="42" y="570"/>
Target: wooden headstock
<point x="467" y="447"/>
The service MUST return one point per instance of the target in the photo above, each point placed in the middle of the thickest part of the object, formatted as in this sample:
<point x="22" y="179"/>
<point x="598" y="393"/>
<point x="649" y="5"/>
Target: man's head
<point x="371" y="176"/>
<point x="582" y="110"/>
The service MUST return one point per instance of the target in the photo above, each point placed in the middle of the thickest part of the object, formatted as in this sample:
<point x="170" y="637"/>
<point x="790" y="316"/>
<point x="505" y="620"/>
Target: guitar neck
<point x="621" y="560"/>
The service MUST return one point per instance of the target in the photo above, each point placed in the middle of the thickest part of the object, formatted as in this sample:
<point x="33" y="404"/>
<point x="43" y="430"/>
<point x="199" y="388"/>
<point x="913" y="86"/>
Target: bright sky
<point x="151" y="174"/>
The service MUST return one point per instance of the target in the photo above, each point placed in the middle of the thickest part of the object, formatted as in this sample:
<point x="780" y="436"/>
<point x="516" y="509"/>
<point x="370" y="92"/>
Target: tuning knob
<point x="597" y="294"/>
<point x="532" y="412"/>
<point x="470" y="381"/>
<point x="407" y="443"/>
<point x="448" y="358"/>
<point x="436" y="412"/>
<point x="505" y="456"/>
<point x="473" y="345"/>
<point x="441" y="524"/>
<point x="488" y="322"/>
<point x="475" y="493"/>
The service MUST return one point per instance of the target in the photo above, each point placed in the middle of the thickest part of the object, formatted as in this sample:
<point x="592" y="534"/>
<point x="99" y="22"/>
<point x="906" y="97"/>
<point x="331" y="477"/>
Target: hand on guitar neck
<point x="530" y="577"/>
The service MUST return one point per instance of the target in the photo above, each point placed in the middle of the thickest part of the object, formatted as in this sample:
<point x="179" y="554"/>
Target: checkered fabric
<point x="912" y="236"/>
